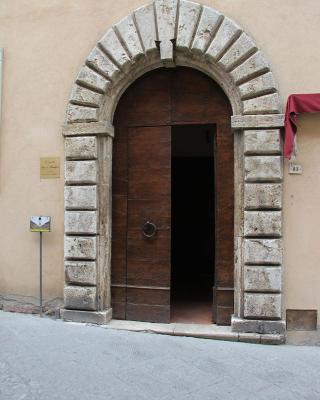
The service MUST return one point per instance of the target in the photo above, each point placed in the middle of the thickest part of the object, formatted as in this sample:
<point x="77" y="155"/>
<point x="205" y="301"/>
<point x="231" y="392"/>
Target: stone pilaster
<point x="261" y="271"/>
<point x="84" y="274"/>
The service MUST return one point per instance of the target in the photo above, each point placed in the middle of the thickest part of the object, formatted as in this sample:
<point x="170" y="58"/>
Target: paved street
<point x="48" y="359"/>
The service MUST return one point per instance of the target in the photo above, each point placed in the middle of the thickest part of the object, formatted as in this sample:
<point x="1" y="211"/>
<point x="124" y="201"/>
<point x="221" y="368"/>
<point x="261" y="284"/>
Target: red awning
<point x="297" y="104"/>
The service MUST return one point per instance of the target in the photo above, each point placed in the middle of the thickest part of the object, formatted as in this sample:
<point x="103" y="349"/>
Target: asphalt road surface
<point x="44" y="359"/>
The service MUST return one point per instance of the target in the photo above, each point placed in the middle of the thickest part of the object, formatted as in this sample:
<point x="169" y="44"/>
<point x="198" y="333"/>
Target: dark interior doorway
<point x="192" y="229"/>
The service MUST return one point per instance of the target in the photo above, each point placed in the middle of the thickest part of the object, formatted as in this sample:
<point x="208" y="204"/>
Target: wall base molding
<point x="241" y="325"/>
<point x="89" y="317"/>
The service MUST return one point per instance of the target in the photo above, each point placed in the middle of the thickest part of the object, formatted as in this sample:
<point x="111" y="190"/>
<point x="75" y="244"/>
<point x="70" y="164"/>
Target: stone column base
<point x="257" y="326"/>
<point x="89" y="317"/>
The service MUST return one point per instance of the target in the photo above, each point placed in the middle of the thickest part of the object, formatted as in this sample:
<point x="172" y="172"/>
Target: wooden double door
<point x="142" y="192"/>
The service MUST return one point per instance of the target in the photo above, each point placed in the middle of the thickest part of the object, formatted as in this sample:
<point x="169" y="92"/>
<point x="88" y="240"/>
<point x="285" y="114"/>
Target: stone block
<point x="80" y="247"/>
<point x="257" y="121"/>
<point x="262" y="223"/>
<point x="265" y="141"/>
<point x="263" y="251"/>
<point x="103" y="128"/>
<point x="267" y="104"/>
<point x="238" y="52"/>
<point x="262" y="279"/>
<point x="263" y="168"/>
<point x="80" y="197"/>
<point x="98" y="60"/>
<point x="166" y="12"/>
<point x="262" y="195"/>
<point x="80" y="297"/>
<point x="249" y="337"/>
<point x="188" y="18"/>
<point x="84" y="96"/>
<point x="92" y="79"/>
<point x="255" y="65"/>
<point x="88" y="317"/>
<point x="208" y="25"/>
<point x="146" y="24"/>
<point x="80" y="272"/>
<point x="129" y="35"/>
<point x="81" y="148"/>
<point x="77" y="172"/>
<point x="112" y="46"/>
<point x="258" y="86"/>
<point x="262" y="305"/>
<point x="76" y="113"/>
<point x="272" y="339"/>
<point x="257" y="326"/>
<point x="80" y="222"/>
<point x="225" y="35"/>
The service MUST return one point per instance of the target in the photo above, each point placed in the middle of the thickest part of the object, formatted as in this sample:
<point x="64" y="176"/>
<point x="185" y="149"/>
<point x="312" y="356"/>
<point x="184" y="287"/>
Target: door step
<point x="204" y="331"/>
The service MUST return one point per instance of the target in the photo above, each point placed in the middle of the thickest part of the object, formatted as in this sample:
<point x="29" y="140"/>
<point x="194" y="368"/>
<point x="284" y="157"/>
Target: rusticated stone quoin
<point x="262" y="279"/>
<point x="263" y="251"/>
<point x="80" y="172"/>
<point x="262" y="142"/>
<point x="81" y="148"/>
<point x="80" y="297"/>
<point x="263" y="168"/>
<point x="262" y="305"/>
<point x="262" y="196"/>
<point x="80" y="247"/>
<point x="81" y="222"/>
<point x="80" y="197"/>
<point x="262" y="223"/>
<point x="80" y="272"/>
<point x="173" y="33"/>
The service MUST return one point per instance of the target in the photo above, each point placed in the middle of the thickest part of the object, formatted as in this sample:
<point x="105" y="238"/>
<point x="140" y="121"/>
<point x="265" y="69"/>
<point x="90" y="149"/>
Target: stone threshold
<point x="203" y="331"/>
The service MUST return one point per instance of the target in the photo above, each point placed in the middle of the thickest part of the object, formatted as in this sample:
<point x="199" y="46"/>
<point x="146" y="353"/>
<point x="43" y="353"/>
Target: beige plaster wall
<point x="302" y="221"/>
<point x="45" y="43"/>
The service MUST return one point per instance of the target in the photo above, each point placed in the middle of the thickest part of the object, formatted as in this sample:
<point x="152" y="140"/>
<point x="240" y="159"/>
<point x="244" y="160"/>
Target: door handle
<point x="149" y="229"/>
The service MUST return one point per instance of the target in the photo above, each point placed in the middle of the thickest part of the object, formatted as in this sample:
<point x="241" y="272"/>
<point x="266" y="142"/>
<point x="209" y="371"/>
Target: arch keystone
<point x="166" y="12"/>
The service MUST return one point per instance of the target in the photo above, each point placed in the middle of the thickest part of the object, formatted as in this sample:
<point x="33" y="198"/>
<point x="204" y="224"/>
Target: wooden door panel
<point x="119" y="163"/>
<point x="224" y="215"/>
<point x="118" y="296"/>
<point x="146" y="312"/>
<point x="147" y="102"/>
<point x="143" y="210"/>
<point x="119" y="223"/>
<point x="149" y="148"/>
<point x="153" y="183"/>
<point x="156" y="248"/>
<point x="149" y="199"/>
<point x="147" y="272"/>
<point x="196" y="98"/>
<point x="152" y="297"/>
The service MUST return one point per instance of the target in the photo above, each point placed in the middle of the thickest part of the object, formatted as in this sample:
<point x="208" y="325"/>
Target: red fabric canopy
<point x="297" y="104"/>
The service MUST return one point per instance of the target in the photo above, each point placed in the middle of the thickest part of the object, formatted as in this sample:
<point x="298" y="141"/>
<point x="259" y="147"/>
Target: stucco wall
<point x="302" y="221"/>
<point x="45" y="43"/>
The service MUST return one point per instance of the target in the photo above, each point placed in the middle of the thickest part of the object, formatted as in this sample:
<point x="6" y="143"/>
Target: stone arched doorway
<point x="173" y="166"/>
<point x="170" y="33"/>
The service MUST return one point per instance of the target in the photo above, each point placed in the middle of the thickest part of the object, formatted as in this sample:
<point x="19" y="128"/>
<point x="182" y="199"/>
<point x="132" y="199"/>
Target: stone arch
<point x="169" y="33"/>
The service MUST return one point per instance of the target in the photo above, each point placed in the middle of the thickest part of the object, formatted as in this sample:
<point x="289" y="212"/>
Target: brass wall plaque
<point x="49" y="167"/>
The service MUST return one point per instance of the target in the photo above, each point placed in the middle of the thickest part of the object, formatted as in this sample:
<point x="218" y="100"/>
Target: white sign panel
<point x="40" y="223"/>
